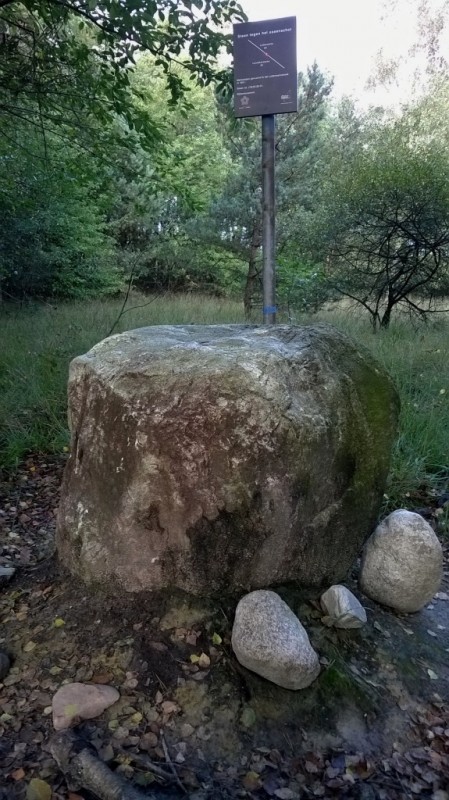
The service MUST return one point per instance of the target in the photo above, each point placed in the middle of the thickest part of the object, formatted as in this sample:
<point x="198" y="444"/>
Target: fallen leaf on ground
<point x="285" y="794"/>
<point x="38" y="790"/>
<point x="252" y="782"/>
<point x="18" y="774"/>
<point x="169" y="707"/>
<point x="248" y="717"/>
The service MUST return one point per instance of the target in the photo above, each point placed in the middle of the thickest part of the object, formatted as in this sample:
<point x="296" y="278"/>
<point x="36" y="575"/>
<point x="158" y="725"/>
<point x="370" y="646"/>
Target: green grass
<point x="418" y="360"/>
<point x="37" y="345"/>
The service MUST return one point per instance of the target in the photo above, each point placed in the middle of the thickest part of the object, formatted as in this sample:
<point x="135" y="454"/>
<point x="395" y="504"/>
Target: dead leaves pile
<point x="28" y="504"/>
<point x="422" y="771"/>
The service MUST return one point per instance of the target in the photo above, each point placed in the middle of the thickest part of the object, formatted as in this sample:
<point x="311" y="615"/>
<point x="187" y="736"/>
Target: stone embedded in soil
<point x="77" y="701"/>
<point x="6" y="573"/>
<point x="269" y="639"/>
<point x="402" y="563"/>
<point x="342" y="608"/>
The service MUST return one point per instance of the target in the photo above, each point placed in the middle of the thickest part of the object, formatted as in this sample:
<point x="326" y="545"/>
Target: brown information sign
<point x="265" y="75"/>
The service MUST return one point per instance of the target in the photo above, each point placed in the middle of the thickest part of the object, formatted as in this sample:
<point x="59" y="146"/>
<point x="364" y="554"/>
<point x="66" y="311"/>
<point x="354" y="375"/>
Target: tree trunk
<point x="386" y="318"/>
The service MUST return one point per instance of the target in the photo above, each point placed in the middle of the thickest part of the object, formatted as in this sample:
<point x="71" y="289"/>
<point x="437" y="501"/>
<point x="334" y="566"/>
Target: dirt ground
<point x="190" y="721"/>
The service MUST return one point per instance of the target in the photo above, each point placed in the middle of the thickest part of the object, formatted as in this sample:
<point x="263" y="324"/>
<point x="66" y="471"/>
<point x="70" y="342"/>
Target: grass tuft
<point x="417" y="359"/>
<point x="38" y="344"/>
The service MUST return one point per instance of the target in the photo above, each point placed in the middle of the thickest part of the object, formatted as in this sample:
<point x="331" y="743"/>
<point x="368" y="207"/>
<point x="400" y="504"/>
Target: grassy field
<point x="417" y="358"/>
<point x="37" y="345"/>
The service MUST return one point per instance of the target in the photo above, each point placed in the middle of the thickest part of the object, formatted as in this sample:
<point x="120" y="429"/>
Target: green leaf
<point x="248" y="717"/>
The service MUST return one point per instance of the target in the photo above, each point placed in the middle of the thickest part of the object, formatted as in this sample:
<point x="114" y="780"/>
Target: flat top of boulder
<point x="282" y="341"/>
<point x="249" y="350"/>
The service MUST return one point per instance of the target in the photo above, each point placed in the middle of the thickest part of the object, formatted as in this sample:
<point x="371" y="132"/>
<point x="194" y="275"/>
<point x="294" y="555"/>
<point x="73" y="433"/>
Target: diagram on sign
<point x="265" y="78"/>
<point x="264" y="52"/>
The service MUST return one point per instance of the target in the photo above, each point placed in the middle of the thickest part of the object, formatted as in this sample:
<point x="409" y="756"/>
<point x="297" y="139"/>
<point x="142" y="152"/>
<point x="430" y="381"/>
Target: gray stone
<point x="402" y="563"/>
<point x="269" y="639"/>
<point x="223" y="458"/>
<point x="6" y="573"/>
<point x="76" y="701"/>
<point x="342" y="608"/>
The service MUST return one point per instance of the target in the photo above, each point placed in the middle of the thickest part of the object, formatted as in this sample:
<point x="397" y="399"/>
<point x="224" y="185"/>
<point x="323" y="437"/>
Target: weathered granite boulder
<point x="402" y="563"/>
<point x="269" y="639"/>
<point x="220" y="458"/>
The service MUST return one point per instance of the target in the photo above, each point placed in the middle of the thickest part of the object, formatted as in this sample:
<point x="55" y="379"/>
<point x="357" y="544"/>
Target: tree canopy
<point x="381" y="224"/>
<point x="66" y="63"/>
<point x="90" y="131"/>
<point x="121" y="164"/>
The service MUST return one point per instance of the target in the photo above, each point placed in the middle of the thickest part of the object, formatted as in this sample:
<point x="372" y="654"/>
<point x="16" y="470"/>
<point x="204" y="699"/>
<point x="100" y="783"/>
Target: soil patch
<point x="374" y="725"/>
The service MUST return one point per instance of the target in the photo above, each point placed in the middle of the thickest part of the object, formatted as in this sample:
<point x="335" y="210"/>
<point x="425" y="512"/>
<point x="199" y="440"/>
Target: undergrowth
<point x="417" y="359"/>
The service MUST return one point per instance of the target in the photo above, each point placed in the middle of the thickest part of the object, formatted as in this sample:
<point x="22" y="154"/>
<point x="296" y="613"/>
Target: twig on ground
<point x="170" y="762"/>
<point x="146" y="763"/>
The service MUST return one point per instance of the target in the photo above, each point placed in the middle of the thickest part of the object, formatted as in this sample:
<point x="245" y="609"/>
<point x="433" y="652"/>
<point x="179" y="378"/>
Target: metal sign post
<point x="268" y="220"/>
<point x="265" y="84"/>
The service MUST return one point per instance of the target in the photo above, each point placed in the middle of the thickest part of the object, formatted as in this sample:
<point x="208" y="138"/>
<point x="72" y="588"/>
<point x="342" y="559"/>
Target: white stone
<point x="76" y="701"/>
<point x="342" y="608"/>
<point x="402" y="563"/>
<point x="269" y="639"/>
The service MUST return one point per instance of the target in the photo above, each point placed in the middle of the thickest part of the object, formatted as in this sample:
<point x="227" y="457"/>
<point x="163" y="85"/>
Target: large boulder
<point x="219" y="458"/>
<point x="269" y="639"/>
<point x="402" y="563"/>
